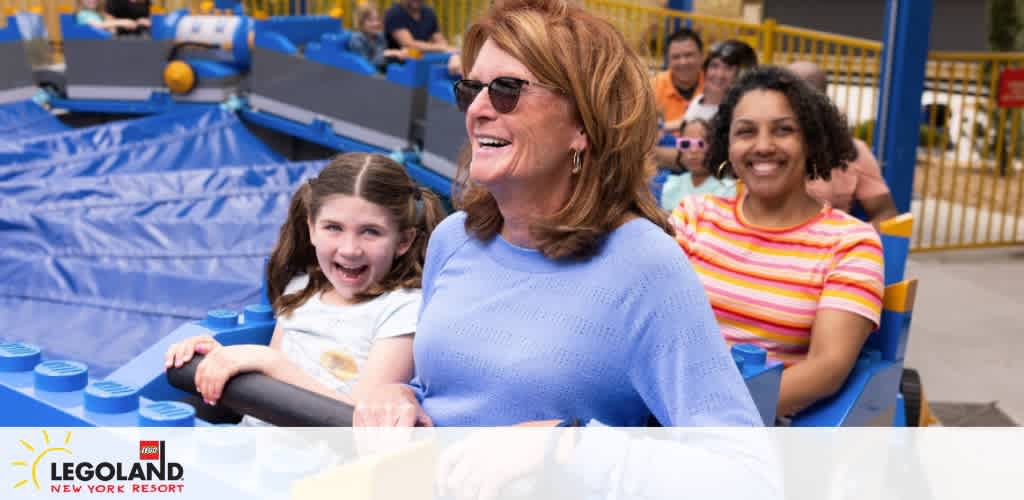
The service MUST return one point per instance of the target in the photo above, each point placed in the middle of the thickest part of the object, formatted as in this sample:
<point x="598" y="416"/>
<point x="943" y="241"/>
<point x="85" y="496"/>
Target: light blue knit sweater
<point x="506" y="335"/>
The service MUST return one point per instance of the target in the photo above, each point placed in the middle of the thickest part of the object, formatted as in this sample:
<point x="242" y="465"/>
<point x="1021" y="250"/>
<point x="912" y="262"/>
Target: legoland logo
<point x="151" y="473"/>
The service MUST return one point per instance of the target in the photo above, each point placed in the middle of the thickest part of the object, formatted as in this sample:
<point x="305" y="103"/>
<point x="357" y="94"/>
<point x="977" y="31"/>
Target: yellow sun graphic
<point x="47" y="449"/>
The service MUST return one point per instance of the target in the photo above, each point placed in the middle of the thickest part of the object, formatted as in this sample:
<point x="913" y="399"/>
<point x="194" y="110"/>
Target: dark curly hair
<point x="826" y="137"/>
<point x="733" y="53"/>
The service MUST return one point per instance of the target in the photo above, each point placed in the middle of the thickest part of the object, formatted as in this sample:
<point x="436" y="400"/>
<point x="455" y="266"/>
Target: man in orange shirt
<point x="862" y="181"/>
<point x="676" y="86"/>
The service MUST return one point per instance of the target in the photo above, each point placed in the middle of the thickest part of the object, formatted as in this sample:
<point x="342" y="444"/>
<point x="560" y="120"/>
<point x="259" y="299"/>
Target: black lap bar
<point x="270" y="400"/>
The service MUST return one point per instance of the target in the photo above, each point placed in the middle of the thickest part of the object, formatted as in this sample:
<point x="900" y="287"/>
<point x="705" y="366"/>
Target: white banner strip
<point x="590" y="462"/>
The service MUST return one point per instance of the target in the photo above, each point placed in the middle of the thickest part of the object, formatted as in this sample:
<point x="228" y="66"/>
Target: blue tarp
<point x="191" y="138"/>
<point x="25" y="119"/>
<point x="112" y="241"/>
<point x="168" y="126"/>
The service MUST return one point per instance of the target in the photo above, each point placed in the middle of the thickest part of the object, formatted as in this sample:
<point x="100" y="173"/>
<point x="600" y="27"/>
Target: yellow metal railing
<point x="969" y="185"/>
<point x="165" y="6"/>
<point x="454" y="16"/>
<point x="49" y="9"/>
<point x="853" y="66"/>
<point x="271" y="8"/>
<point x="40" y="52"/>
<point x="852" y="63"/>
<point x="647" y="28"/>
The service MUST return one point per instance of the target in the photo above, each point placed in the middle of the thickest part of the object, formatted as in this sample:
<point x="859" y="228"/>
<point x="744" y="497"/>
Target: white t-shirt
<point x="697" y="109"/>
<point x="332" y="342"/>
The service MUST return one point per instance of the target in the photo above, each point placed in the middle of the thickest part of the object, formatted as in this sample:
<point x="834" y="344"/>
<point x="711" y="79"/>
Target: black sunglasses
<point x="503" y="91"/>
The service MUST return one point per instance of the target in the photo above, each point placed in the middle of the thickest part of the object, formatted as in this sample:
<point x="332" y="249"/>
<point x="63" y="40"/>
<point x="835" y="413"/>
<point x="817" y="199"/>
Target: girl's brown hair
<point x="699" y="121"/>
<point x="374" y="178"/>
<point x="562" y="44"/>
<point x="362" y="12"/>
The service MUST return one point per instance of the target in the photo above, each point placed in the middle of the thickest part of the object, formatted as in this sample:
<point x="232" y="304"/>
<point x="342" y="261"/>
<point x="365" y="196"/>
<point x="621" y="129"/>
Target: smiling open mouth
<point x="350" y="272"/>
<point x="764" y="167"/>
<point x="492" y="142"/>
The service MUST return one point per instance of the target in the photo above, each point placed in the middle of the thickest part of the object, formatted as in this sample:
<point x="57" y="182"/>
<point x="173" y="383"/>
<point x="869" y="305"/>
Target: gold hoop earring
<point x="721" y="168"/>
<point x="577" y="161"/>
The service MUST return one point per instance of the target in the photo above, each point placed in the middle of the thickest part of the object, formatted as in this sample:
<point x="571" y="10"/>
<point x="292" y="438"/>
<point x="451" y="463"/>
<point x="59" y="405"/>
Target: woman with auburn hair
<point x="557" y="292"/>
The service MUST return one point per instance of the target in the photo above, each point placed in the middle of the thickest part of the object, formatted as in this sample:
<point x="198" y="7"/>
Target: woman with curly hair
<point x="781" y="269"/>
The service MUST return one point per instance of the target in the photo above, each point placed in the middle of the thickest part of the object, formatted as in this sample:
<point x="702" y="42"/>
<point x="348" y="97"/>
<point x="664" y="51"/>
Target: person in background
<point x="412" y="26"/>
<point x="90" y="13"/>
<point x="862" y="182"/>
<point x="723" y="66"/>
<point x="696" y="179"/>
<point x="370" y="42"/>
<point x="676" y="87"/>
<point x="134" y="10"/>
<point x="726" y="62"/>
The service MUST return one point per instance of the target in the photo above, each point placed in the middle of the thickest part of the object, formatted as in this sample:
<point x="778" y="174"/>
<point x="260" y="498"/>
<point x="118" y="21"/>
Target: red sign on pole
<point x="1011" y="88"/>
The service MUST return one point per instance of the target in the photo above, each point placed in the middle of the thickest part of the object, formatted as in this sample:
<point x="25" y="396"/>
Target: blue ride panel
<point x="131" y="259"/>
<point x="763" y="378"/>
<point x="23" y="120"/>
<point x="43" y="393"/>
<point x="164" y="142"/>
<point x="56" y="392"/>
<point x="299" y="30"/>
<point x="44" y="195"/>
<point x="867" y="395"/>
<point x="125" y="233"/>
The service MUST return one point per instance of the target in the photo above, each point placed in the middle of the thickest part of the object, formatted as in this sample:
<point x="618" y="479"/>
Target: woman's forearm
<point x="806" y="382"/>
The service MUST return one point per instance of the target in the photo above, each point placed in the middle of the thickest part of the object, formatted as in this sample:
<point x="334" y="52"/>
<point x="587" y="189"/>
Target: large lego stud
<point x="258" y="313"/>
<point x="60" y="376"/>
<point x="179" y="77"/>
<point x="221" y="318"/>
<point x="167" y="414"/>
<point x="739" y="361"/>
<point x="18" y="357"/>
<point x="751" y="355"/>
<point x="107" y="396"/>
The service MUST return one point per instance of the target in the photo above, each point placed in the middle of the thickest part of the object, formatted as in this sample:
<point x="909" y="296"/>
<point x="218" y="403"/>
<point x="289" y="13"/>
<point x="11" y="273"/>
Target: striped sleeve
<point x="684" y="221"/>
<point x="856" y="281"/>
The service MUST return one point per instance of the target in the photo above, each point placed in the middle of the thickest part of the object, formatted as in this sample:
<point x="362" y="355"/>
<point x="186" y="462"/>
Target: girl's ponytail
<point x="294" y="255"/>
<point x="429" y="213"/>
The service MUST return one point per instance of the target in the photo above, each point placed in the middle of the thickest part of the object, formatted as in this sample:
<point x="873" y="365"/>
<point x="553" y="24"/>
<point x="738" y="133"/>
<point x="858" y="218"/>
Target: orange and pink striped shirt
<point x="766" y="284"/>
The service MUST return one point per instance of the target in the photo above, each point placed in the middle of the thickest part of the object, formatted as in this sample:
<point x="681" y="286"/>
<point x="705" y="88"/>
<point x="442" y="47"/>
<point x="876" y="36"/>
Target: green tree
<point x="1005" y="30"/>
<point x="1004" y="25"/>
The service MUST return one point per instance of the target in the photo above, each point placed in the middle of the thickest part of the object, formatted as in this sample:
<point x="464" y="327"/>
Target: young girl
<point x="369" y="41"/>
<point x="344" y="281"/>
<point x="690" y="155"/>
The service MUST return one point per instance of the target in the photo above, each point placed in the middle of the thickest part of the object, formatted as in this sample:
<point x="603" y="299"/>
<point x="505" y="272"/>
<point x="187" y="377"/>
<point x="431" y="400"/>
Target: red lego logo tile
<point x="149" y="450"/>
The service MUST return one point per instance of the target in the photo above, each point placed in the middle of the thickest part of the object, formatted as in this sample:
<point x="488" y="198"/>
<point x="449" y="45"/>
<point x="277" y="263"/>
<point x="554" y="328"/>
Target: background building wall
<point x="957" y="25"/>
